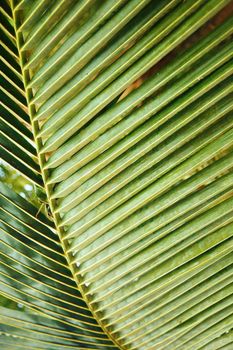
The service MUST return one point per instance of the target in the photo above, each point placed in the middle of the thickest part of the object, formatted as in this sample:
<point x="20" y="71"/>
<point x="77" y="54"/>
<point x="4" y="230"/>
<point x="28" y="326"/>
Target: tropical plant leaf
<point x="34" y="272"/>
<point x="17" y="146"/>
<point x="42" y="332"/>
<point x="122" y="112"/>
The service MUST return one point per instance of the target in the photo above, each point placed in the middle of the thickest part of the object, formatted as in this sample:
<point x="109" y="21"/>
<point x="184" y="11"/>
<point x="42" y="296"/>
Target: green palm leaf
<point x="17" y="146"/>
<point x="120" y="113"/>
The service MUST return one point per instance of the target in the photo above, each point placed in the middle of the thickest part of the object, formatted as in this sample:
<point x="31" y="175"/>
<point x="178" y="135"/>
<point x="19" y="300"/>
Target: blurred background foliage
<point x="16" y="182"/>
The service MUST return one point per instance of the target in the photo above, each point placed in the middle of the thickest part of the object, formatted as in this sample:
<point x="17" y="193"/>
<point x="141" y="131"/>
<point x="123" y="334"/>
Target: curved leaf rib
<point x="35" y="273"/>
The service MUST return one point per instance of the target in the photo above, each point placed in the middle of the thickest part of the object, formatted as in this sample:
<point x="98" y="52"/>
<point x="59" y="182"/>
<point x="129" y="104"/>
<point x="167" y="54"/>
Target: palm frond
<point x="17" y="145"/>
<point x="34" y="273"/>
<point x="122" y="111"/>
